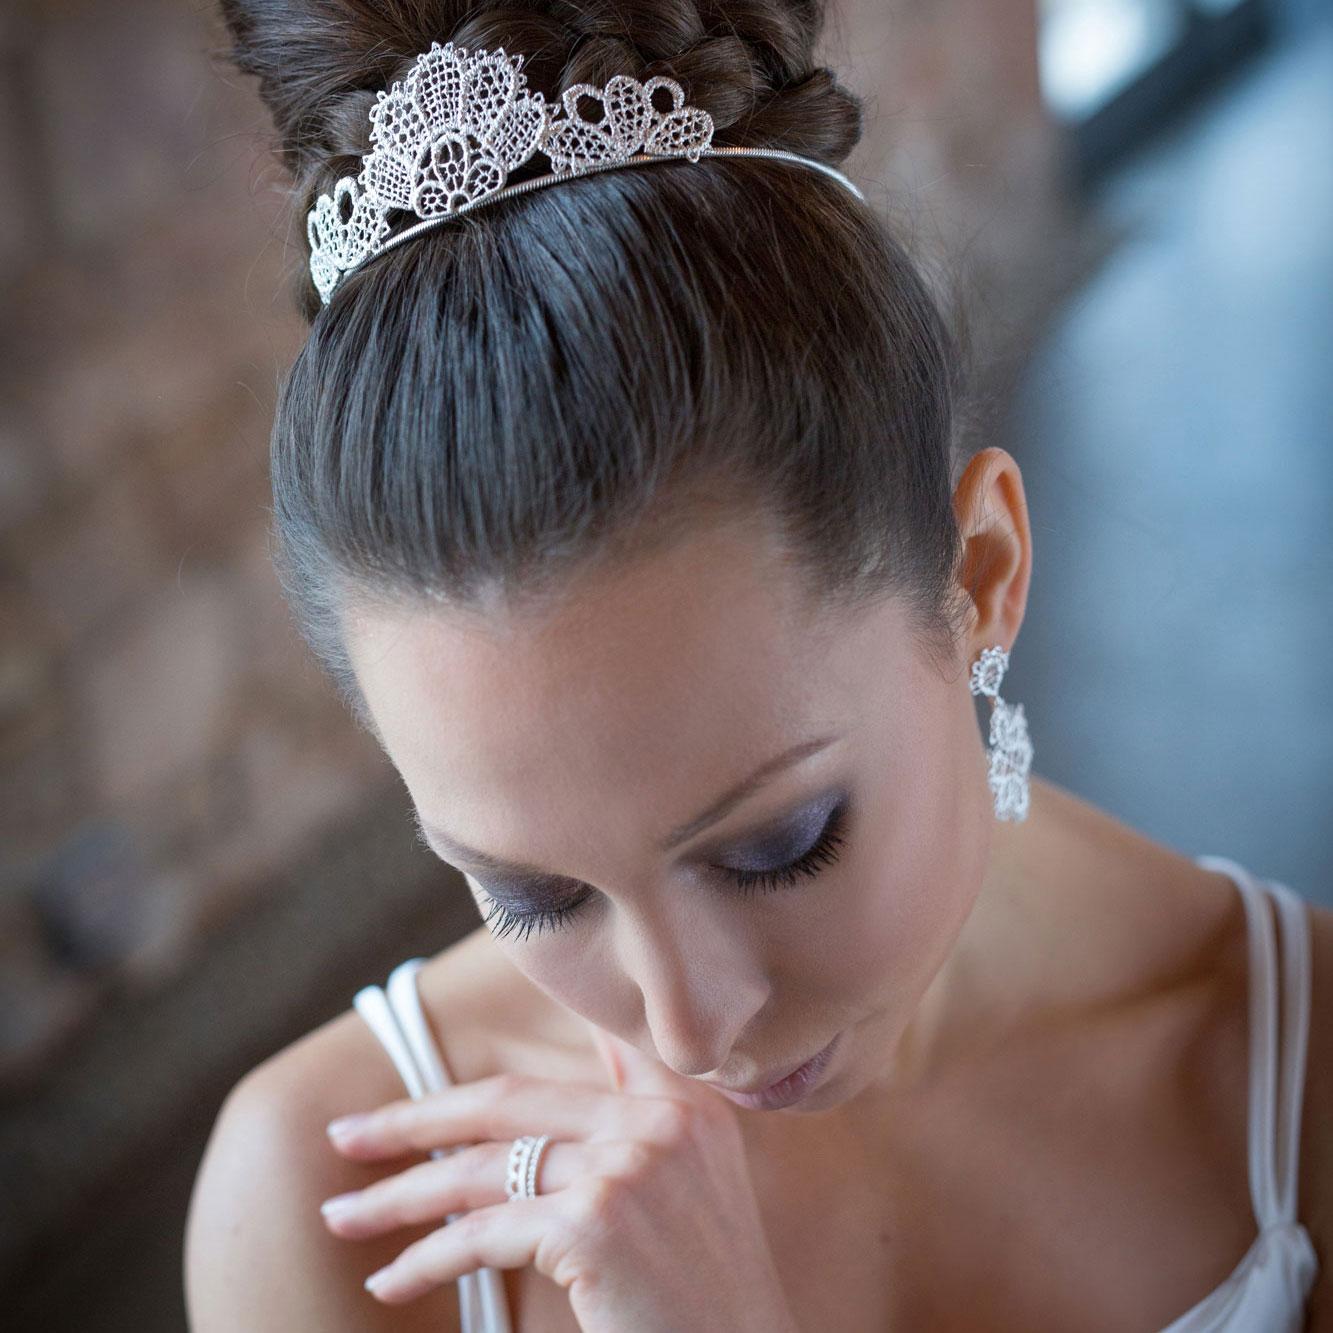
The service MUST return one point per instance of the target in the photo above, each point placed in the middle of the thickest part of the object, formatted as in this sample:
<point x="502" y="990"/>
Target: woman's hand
<point x="645" y="1212"/>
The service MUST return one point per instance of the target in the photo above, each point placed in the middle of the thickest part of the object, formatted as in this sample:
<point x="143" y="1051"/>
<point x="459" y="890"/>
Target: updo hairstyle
<point x="584" y="372"/>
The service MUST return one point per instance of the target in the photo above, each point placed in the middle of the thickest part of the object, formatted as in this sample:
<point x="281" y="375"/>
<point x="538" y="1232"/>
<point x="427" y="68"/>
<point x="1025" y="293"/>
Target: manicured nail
<point x="375" y="1282"/>
<point x="339" y="1205"/>
<point x="345" y="1125"/>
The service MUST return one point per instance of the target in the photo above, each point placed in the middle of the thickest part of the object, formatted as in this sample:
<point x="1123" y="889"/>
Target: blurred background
<point x="201" y="858"/>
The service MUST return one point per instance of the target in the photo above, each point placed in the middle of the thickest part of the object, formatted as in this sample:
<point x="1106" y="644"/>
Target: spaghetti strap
<point x="395" y="1015"/>
<point x="1294" y="916"/>
<point x="1269" y="1287"/>
<point x="405" y="999"/>
<point x="381" y="1017"/>
<point x="1262" y="1114"/>
<point x="1275" y="1089"/>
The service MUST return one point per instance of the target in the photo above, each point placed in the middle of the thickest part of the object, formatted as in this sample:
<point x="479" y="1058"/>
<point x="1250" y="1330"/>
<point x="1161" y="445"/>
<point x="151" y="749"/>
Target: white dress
<point x="1267" y="1290"/>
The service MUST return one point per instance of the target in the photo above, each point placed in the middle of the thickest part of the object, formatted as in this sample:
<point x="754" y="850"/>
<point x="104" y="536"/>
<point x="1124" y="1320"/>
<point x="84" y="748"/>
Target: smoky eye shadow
<point x="784" y="840"/>
<point x="790" y="840"/>
<point x="531" y="897"/>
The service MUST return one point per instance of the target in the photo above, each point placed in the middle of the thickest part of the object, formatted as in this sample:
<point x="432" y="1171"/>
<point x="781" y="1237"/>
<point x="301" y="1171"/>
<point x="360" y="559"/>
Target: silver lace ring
<point x="521" y="1173"/>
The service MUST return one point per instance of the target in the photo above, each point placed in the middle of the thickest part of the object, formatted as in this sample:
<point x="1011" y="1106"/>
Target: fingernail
<point x="347" y="1124"/>
<point x="339" y="1205"/>
<point x="375" y="1282"/>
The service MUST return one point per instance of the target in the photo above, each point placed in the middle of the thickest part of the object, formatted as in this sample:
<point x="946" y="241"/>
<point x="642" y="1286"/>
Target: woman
<point x="628" y="513"/>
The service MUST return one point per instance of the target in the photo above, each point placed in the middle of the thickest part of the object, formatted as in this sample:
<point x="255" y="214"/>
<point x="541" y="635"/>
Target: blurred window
<point x="1113" y="71"/>
<point x="1092" y="49"/>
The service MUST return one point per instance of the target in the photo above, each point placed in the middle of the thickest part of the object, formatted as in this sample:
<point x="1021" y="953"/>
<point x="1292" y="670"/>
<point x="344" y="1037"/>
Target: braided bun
<point x="320" y="63"/>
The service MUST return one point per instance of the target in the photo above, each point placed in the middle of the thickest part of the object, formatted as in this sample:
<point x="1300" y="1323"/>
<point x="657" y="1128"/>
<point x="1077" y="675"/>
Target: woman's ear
<point x="990" y="506"/>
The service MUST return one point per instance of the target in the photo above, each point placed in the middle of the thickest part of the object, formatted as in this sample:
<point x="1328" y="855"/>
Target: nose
<point x="700" y="983"/>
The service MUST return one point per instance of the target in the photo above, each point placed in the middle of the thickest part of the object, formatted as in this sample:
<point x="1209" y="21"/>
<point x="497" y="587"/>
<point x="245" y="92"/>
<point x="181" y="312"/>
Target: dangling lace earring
<point x="1010" y="752"/>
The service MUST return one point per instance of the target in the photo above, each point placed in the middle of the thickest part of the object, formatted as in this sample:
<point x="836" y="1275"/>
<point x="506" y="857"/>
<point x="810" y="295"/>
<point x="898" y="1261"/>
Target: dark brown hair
<point x="579" y="372"/>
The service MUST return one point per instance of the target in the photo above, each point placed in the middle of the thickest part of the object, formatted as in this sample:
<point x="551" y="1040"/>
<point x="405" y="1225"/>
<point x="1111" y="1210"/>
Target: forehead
<point x="642" y="681"/>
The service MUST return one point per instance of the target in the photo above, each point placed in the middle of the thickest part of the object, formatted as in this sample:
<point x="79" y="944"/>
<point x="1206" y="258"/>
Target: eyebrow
<point x="706" y="818"/>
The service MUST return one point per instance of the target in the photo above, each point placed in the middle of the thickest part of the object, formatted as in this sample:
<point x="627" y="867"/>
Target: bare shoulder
<point x="1316" y="1146"/>
<point x="257" y="1253"/>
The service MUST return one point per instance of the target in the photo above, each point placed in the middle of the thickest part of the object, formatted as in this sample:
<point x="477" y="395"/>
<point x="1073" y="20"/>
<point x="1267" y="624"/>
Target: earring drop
<point x="1010" y="752"/>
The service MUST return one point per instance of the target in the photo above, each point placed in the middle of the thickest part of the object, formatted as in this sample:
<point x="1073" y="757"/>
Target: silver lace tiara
<point x="446" y="137"/>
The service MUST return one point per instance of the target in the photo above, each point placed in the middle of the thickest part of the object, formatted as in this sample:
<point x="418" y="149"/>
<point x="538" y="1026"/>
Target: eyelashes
<point x="823" y="853"/>
<point x="525" y="923"/>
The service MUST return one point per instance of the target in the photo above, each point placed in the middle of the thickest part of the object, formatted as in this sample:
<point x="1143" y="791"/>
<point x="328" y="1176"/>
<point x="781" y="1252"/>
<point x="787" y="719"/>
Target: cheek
<point x="573" y="970"/>
<point x="564" y="964"/>
<point x="905" y="895"/>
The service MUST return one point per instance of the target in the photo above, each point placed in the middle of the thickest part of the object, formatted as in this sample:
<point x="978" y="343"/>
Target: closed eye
<point x="825" y="850"/>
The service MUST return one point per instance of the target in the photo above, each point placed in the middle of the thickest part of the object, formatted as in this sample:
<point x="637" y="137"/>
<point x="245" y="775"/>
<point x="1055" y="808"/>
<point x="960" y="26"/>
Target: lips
<point x="751" y="1088"/>
<point x="788" y="1089"/>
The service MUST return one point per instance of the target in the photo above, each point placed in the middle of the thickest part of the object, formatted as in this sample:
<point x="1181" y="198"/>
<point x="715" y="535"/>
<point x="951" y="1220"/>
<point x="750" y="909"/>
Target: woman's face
<point x="699" y="814"/>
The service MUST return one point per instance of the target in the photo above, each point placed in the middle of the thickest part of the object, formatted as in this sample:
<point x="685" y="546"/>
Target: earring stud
<point x="1010" y="753"/>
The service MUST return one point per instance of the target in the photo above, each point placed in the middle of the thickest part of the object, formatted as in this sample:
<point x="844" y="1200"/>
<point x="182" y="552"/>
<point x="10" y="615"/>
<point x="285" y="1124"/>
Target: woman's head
<point x="591" y="498"/>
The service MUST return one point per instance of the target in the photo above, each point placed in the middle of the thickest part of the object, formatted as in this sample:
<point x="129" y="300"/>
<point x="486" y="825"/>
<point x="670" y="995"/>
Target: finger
<point x="468" y="1179"/>
<point x="500" y="1107"/>
<point x="635" y="1071"/>
<point x="471" y="1177"/>
<point x="504" y="1236"/>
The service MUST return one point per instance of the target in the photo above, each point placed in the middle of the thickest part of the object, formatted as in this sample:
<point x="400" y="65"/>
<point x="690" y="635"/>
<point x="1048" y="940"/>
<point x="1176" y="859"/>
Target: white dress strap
<point x="400" y="1026"/>
<point x="1273" y="1164"/>
<point x="395" y="1015"/>
<point x="405" y="1000"/>
<point x="1294" y="915"/>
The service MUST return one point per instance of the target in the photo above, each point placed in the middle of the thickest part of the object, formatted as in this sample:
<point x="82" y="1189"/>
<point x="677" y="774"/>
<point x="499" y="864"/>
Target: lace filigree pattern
<point x="1010" y="754"/>
<point x="446" y="137"/>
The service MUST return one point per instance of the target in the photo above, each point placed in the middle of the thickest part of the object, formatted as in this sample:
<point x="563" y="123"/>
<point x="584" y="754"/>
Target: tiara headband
<point x="445" y="138"/>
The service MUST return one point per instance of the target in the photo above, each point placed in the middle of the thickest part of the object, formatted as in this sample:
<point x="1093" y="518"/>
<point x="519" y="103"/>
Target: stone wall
<point x="166" y="744"/>
<point x="962" y="155"/>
